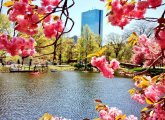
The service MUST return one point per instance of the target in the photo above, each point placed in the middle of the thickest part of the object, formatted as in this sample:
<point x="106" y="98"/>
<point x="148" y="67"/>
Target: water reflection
<point x="68" y="94"/>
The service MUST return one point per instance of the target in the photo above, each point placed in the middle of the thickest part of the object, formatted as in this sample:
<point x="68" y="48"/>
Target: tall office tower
<point x="94" y="19"/>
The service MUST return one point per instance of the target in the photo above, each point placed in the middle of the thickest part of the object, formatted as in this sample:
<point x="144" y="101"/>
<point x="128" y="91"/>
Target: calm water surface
<point x="68" y="94"/>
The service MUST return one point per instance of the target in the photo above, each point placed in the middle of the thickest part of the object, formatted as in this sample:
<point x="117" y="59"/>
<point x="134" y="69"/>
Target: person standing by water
<point x="30" y="63"/>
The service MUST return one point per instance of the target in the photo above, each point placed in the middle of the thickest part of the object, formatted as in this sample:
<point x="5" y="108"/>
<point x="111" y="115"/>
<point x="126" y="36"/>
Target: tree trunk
<point x="54" y="54"/>
<point x="22" y="60"/>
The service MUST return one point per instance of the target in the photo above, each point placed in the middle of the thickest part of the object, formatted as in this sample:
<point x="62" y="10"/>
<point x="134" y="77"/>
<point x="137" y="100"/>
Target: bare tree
<point x="140" y="27"/>
<point x="117" y="42"/>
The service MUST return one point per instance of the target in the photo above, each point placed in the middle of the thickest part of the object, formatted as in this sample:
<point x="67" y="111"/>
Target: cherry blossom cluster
<point x="146" y="51"/>
<point x="17" y="46"/>
<point x="26" y="16"/>
<point x="121" y="12"/>
<point x="49" y="3"/>
<point x="48" y="116"/>
<point x="59" y="118"/>
<point x="111" y="113"/>
<point x="161" y="38"/>
<point x="106" y="69"/>
<point x="151" y="91"/>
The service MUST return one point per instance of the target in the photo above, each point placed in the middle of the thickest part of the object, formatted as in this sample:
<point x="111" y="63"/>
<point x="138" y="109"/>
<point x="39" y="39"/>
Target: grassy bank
<point x="4" y="69"/>
<point x="62" y="67"/>
<point x="129" y="72"/>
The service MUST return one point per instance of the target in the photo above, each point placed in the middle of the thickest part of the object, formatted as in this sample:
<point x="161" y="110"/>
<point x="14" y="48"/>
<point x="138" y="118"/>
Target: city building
<point x="75" y="38"/>
<point x="94" y="19"/>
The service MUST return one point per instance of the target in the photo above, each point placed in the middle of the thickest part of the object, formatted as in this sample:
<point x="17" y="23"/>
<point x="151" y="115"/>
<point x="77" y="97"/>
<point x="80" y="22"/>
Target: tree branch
<point x="140" y="73"/>
<point x="1" y="6"/>
<point x="66" y="14"/>
<point x="156" y="6"/>
<point x="53" y="11"/>
<point x="43" y="55"/>
<point x="146" y="19"/>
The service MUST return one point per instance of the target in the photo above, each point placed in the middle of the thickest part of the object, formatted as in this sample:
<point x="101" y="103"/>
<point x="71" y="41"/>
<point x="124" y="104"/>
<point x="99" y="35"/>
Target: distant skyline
<point x="94" y="20"/>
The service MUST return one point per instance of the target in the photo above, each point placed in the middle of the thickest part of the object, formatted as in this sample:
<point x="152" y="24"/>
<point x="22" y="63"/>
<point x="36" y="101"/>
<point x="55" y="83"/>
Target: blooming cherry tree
<point x="28" y="17"/>
<point x="150" y="91"/>
<point x="147" y="51"/>
<point x="102" y="64"/>
<point x="17" y="46"/>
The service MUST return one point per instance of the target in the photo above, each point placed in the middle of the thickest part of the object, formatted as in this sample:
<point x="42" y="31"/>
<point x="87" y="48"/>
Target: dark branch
<point x="146" y="19"/>
<point x="1" y="6"/>
<point x="156" y="6"/>
<point x="143" y="72"/>
<point x="43" y="55"/>
<point x="64" y="13"/>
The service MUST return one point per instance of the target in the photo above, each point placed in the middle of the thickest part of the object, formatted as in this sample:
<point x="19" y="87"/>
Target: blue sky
<point x="85" y="5"/>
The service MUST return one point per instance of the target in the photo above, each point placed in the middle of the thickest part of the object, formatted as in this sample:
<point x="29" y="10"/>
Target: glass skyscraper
<point x="94" y="19"/>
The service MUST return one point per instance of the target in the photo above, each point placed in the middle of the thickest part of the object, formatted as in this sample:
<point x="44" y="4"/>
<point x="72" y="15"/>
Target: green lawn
<point x="62" y="67"/>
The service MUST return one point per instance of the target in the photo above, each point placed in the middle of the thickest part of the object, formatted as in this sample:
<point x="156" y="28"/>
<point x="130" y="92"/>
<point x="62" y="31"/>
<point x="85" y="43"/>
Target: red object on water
<point x="35" y="73"/>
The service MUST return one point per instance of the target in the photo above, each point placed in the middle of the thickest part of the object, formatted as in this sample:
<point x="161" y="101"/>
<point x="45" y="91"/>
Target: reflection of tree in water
<point x="38" y="85"/>
<point x="88" y="75"/>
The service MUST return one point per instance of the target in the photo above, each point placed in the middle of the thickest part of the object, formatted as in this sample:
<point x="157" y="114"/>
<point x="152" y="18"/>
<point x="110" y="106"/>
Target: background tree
<point x="87" y="44"/>
<point x="117" y="42"/>
<point x="4" y="28"/>
<point x="41" y="40"/>
<point x="140" y="27"/>
<point x="5" y="24"/>
<point x="54" y="26"/>
<point x="68" y="51"/>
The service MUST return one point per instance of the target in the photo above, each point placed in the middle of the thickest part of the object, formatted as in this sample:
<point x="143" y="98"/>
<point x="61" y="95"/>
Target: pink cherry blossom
<point x="17" y="46"/>
<point x="128" y="8"/>
<point x="139" y="98"/>
<point x="146" y="51"/>
<point x="114" y="64"/>
<point x="105" y="68"/>
<point x="53" y="29"/>
<point x="27" y="24"/>
<point x="158" y="113"/>
<point x="49" y="30"/>
<point x="19" y="8"/>
<point x="3" y="41"/>
<point x="112" y="113"/>
<point x="50" y="2"/>
<point x="45" y="2"/>
<point x="131" y="117"/>
<point x="161" y="39"/>
<point x="142" y="5"/>
<point x="154" y="3"/>
<point x="154" y="92"/>
<point x="26" y="19"/>
<point x="54" y="2"/>
<point x="122" y="12"/>
<point x="41" y="10"/>
<point x="58" y="118"/>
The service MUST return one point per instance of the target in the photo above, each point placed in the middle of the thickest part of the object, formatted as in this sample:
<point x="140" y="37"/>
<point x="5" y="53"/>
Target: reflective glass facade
<point x="94" y="19"/>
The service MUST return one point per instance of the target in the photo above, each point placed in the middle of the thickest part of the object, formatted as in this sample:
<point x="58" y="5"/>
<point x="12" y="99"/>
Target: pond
<point x="69" y="94"/>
